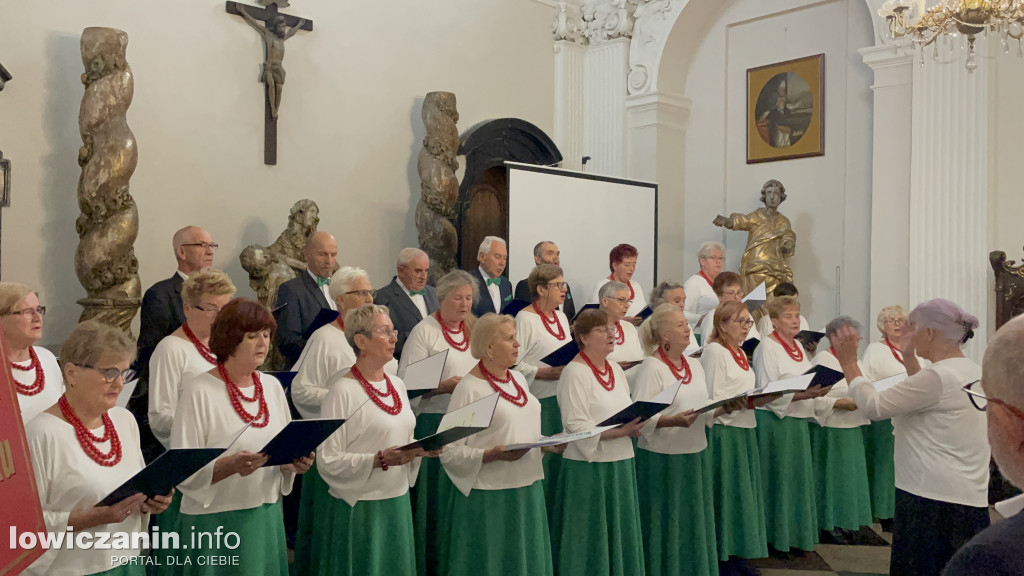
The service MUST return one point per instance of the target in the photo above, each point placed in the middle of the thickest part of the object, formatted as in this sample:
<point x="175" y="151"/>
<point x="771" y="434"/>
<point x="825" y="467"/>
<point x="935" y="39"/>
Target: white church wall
<point x="829" y="196"/>
<point x="349" y="130"/>
<point x="1007" y="197"/>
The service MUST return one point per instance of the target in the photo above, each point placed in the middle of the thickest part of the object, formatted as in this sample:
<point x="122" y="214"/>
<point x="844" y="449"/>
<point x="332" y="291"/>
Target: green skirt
<point x="596" y="525"/>
<point x="677" y="514"/>
<point x="372" y="538"/>
<point x="787" y="472"/>
<point x="260" y="538"/>
<point x="315" y="496"/>
<point x="168" y="521"/>
<point x="550" y="424"/>
<point x="878" y="450"/>
<point x="840" y="478"/>
<point x="738" y="497"/>
<point x="429" y="497"/>
<point x="495" y="532"/>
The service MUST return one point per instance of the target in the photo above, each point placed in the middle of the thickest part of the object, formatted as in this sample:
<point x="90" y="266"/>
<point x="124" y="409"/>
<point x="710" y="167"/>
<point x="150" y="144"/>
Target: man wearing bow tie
<point x="495" y="289"/>
<point x="408" y="297"/>
<point x="300" y="299"/>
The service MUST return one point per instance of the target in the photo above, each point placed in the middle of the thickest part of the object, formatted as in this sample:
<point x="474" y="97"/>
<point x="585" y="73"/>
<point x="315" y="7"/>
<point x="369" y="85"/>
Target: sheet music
<point x="126" y="393"/>
<point x="426" y="374"/>
<point x="473" y="415"/>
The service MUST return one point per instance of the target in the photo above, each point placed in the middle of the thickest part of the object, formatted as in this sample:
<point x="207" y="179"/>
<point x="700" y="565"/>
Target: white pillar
<point x="890" y="177"/>
<point x="949" y="188"/>
<point x="606" y="66"/>
<point x="569" y="89"/>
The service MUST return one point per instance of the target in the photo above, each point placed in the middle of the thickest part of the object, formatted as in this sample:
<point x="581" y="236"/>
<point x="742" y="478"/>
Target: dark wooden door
<point x="486" y="214"/>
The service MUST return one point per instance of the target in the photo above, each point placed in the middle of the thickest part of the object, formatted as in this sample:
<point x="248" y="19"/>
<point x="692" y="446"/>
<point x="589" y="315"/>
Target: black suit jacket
<point x="523" y="293"/>
<point x="484" y="304"/>
<point x="299" y="300"/>
<point x="404" y="314"/>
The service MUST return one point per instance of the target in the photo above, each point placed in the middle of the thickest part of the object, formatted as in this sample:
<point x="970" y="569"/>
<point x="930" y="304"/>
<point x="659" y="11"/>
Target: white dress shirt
<point x="535" y="343"/>
<point x="53" y="387"/>
<point x="325" y="290"/>
<point x="417" y="300"/>
<point x="653" y="377"/>
<point x="425" y="340"/>
<point x="584" y="404"/>
<point x="493" y="289"/>
<point x="725" y="379"/>
<point x="941" y="449"/>
<point x="512" y="424"/>
<point x="826" y="415"/>
<point x="174" y="360"/>
<point x="700" y="300"/>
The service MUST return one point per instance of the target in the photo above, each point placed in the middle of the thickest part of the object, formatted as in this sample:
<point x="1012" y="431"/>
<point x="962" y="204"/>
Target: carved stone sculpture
<point x="770" y="240"/>
<point x="105" y="260"/>
<point x="271" y="266"/>
<point x="439" y="186"/>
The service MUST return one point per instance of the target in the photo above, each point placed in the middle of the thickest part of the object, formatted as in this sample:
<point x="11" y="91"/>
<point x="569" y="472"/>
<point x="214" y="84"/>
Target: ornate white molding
<point x="592" y="22"/>
<point x="653" y="22"/>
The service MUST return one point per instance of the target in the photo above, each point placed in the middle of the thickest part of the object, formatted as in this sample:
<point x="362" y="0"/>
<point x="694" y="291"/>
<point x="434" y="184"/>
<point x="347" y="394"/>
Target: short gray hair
<point x="360" y="321"/>
<point x="454" y="280"/>
<point x="342" y="280"/>
<point x="538" y="250"/>
<point x="484" y="330"/>
<point x="840" y="322"/>
<point x="609" y="288"/>
<point x="487" y="244"/>
<point x="946" y="318"/>
<point x="409" y="254"/>
<point x="658" y="294"/>
<point x="706" y="247"/>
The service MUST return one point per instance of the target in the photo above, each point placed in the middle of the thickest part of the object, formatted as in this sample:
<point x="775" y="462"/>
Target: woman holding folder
<point x="235" y="491"/>
<point x="596" y="519"/>
<point x="542" y="328"/>
<point x="366" y="527"/>
<point x="673" y="477"/>
<point x="736" y="463"/>
<point x="83" y="448"/>
<point x="496" y="522"/>
<point x="448" y="328"/>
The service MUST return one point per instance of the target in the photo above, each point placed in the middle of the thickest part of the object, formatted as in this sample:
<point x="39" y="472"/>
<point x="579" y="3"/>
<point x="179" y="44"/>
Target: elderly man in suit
<point x="495" y="289"/>
<point x="300" y="299"/>
<point x="546" y="252"/>
<point x="408" y="297"/>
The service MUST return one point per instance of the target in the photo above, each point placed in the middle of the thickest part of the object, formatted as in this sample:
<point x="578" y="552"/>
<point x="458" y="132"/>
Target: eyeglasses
<point x="625" y="301"/>
<point x="981" y="401"/>
<point x="27" y="313"/>
<point x="732" y="293"/>
<point x="896" y="321"/>
<point x="607" y="329"/>
<point x="204" y="245"/>
<point x="207" y="309"/>
<point x="362" y="293"/>
<point x="559" y="285"/>
<point x="715" y="258"/>
<point x="385" y="333"/>
<point x="748" y="323"/>
<point x="110" y="374"/>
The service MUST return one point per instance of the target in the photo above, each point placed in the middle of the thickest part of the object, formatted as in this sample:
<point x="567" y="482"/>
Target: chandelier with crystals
<point x="949" y="19"/>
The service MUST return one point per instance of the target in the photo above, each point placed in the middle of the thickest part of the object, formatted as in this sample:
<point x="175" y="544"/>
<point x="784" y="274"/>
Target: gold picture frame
<point x="786" y="109"/>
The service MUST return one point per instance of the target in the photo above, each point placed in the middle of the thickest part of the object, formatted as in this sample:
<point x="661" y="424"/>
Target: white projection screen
<point x="586" y="215"/>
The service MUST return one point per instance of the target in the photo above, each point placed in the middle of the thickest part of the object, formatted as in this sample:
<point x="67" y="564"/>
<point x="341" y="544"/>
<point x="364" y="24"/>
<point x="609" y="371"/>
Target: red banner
<point x="19" y="498"/>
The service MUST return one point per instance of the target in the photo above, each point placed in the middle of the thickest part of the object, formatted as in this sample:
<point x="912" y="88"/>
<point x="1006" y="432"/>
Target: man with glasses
<point x="546" y="252"/>
<point x="997" y="550"/>
<point x="408" y="297"/>
<point x="301" y="299"/>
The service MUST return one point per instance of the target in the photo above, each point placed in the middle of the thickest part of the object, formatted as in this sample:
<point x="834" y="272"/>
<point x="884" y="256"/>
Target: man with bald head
<point x="300" y="299"/>
<point x="408" y="297"/>
<point x="999" y="549"/>
<point x="546" y="252"/>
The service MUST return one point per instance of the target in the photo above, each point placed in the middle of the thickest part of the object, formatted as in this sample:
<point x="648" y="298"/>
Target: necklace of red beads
<point x="620" y="334"/>
<point x="377" y="396"/>
<point x="606" y="377"/>
<point x="449" y="334"/>
<point x="262" y="416"/>
<point x="549" y="322"/>
<point x="203" y="349"/>
<point x="832" y="349"/>
<point x="632" y="294"/>
<point x="740" y="357"/>
<point x="37" y="385"/>
<point x="705" y="277"/>
<point x="683" y="373"/>
<point x="88" y="441"/>
<point x="895" y="351"/>
<point x="341" y="323"/>
<point x="795" y="352"/>
<point x="519" y="399"/>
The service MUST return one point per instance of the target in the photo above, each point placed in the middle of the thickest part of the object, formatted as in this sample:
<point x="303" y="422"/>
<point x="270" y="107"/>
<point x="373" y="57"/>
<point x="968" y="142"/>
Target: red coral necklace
<point x="88" y="441"/>
<point x="377" y="396"/>
<point x="203" y="349"/>
<point x="449" y="334"/>
<point x="601" y="375"/>
<point x="39" y="383"/>
<point x="262" y="416"/>
<point x="683" y="373"/>
<point x="519" y="399"/>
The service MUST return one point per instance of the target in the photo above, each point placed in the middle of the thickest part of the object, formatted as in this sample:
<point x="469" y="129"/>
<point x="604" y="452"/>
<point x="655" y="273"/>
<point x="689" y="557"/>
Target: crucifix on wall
<point x="274" y="28"/>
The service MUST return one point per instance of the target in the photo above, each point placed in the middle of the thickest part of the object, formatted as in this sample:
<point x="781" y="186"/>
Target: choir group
<point x="716" y="478"/>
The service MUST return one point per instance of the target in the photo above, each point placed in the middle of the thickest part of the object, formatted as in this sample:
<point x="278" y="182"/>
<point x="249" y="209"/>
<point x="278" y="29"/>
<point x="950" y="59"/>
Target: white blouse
<point x="630" y="350"/>
<point x="53" y="387"/>
<point x="535" y="342"/>
<point x="326" y="353"/>
<point x="206" y="419"/>
<point x="880" y="363"/>
<point x="942" y="449"/>
<point x="725" y="379"/>
<point x="584" y="404"/>
<point x="771" y="363"/>
<point x="426" y="339"/>
<point x="700" y="300"/>
<point x="764" y="325"/>
<point x="174" y="360"/>
<point x="68" y="479"/>
<point x="653" y="377"/>
<point x="463" y="460"/>
<point x="825" y="412"/>
<point x="639" y="300"/>
<point x="346" y="459"/>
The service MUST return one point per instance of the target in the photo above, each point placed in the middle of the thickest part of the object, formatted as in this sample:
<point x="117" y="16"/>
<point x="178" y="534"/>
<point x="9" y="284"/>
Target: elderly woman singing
<point x="37" y="377"/>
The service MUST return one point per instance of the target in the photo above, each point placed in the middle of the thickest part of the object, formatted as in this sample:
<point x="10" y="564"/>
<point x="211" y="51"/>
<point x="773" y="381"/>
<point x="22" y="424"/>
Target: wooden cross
<point x="277" y="28"/>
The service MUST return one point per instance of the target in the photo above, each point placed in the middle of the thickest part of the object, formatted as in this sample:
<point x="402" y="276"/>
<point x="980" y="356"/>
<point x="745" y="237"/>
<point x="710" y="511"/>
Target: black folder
<point x="580" y="311"/>
<point x="323" y="318"/>
<point x="749" y="345"/>
<point x="563" y="355"/>
<point x="716" y="405"/>
<point x="284" y="377"/>
<point x="299" y="438"/>
<point x="824" y="376"/>
<point x="514" y="307"/>
<point x="809" y="337"/>
<point x="643" y="409"/>
<point x="481" y="412"/>
<point x="169" y="469"/>
<point x="645" y="312"/>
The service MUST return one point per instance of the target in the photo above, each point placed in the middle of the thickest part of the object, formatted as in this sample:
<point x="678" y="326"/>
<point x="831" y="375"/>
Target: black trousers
<point x="926" y="533"/>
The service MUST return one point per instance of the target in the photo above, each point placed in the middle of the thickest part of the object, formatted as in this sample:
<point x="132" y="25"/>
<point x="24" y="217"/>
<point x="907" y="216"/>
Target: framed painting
<point x="786" y="110"/>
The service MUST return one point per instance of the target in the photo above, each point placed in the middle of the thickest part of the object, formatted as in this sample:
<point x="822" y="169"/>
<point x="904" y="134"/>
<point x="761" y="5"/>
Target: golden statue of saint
<point x="770" y="240"/>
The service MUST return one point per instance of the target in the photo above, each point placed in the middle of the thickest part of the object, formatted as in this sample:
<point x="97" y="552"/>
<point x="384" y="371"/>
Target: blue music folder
<point x="170" y="469"/>
<point x="299" y="438"/>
